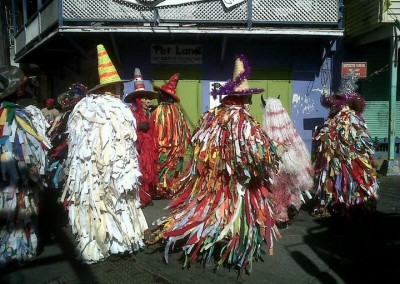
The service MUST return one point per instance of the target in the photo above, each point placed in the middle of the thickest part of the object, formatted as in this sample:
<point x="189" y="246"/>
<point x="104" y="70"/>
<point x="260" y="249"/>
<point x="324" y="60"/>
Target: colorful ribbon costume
<point x="223" y="205"/>
<point x="345" y="174"/>
<point x="173" y="134"/>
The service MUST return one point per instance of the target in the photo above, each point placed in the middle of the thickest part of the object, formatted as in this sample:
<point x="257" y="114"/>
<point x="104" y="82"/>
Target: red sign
<point x="359" y="68"/>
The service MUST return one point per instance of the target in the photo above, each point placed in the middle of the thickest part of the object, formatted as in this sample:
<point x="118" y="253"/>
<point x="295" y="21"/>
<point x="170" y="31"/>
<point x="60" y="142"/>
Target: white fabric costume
<point x="295" y="177"/>
<point x="102" y="183"/>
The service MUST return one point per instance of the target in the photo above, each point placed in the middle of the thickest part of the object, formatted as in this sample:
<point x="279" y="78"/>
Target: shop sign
<point x="176" y="54"/>
<point x="359" y="68"/>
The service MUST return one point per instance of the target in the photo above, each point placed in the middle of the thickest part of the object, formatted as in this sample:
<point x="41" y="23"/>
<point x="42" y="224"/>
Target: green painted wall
<point x="276" y="82"/>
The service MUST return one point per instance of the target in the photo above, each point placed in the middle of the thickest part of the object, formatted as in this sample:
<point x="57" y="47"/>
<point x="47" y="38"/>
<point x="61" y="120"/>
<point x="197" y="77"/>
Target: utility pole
<point x="4" y="36"/>
<point x="391" y="166"/>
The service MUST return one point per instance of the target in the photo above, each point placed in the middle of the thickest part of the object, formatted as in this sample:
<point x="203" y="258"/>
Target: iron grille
<point x="301" y="11"/>
<point x="105" y="10"/>
<point x="204" y="11"/>
<point x="291" y="11"/>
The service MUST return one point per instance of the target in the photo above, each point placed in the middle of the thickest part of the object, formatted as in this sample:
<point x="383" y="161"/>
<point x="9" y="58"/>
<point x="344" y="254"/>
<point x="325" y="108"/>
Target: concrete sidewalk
<point x="311" y="251"/>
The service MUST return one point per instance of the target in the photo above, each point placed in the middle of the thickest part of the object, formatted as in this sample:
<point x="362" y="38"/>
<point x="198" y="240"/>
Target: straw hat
<point x="139" y="89"/>
<point x="10" y="80"/>
<point x="107" y="73"/>
<point x="170" y="87"/>
<point x="238" y="86"/>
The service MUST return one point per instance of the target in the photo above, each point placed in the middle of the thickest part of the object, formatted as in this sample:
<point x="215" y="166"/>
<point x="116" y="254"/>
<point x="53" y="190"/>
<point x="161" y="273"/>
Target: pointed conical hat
<point x="108" y="75"/>
<point x="170" y="87"/>
<point x="238" y="86"/>
<point x="139" y="89"/>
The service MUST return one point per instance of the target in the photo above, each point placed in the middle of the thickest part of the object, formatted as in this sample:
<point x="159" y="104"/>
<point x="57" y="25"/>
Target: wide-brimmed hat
<point x="10" y="80"/>
<point x="139" y="89"/>
<point x="108" y="75"/>
<point x="238" y="86"/>
<point x="170" y="87"/>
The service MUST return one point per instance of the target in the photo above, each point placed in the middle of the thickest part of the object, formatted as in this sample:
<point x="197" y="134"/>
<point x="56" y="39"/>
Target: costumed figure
<point x="146" y="139"/>
<point x="50" y="112"/>
<point x="22" y="165"/>
<point x="222" y="209"/>
<point x="296" y="173"/>
<point x="54" y="215"/>
<point x="346" y="179"/>
<point x="40" y="123"/>
<point x="103" y="177"/>
<point x="173" y="134"/>
<point x="57" y="132"/>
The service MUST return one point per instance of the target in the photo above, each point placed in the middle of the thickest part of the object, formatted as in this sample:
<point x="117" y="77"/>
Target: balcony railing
<point x="212" y="14"/>
<point x="206" y="12"/>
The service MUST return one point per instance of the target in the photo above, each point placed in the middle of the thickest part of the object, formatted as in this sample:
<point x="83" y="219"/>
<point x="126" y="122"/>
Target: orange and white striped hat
<point x="139" y="89"/>
<point x="107" y="73"/>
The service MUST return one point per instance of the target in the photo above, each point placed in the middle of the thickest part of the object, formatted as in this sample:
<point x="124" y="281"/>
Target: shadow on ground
<point x="359" y="249"/>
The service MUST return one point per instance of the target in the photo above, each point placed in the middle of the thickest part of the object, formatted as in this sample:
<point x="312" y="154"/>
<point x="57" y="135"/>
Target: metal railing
<point x="207" y="12"/>
<point x="307" y="14"/>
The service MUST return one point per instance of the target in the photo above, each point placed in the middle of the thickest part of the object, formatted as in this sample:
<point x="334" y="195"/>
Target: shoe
<point x="320" y="213"/>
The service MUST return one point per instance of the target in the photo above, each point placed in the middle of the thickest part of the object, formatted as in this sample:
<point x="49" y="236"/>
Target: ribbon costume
<point x="295" y="176"/>
<point x="103" y="178"/>
<point x="147" y="143"/>
<point x="223" y="203"/>
<point x="58" y="134"/>
<point x="346" y="179"/>
<point x="22" y="166"/>
<point x="173" y="134"/>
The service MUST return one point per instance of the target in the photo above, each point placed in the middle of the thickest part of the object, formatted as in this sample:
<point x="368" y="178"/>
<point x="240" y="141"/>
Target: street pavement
<point x="312" y="250"/>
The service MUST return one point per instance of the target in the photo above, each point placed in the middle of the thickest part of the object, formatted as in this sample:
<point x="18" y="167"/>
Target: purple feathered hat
<point x="238" y="86"/>
<point x="346" y="95"/>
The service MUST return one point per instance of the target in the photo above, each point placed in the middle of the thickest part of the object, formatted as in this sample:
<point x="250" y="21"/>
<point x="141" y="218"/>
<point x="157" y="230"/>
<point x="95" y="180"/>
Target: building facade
<point x="372" y="36"/>
<point x="290" y="46"/>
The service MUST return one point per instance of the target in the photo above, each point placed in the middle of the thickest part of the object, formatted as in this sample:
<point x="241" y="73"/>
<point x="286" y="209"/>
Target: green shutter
<point x="276" y="82"/>
<point x="376" y="116"/>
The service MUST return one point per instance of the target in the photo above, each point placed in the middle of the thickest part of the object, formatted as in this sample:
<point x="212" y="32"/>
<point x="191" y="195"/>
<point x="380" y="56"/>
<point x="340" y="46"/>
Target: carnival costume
<point x="103" y="179"/>
<point x="173" y="134"/>
<point x="345" y="174"/>
<point x="58" y="134"/>
<point x="23" y="163"/>
<point x="295" y="177"/>
<point x="146" y="139"/>
<point x="223" y="207"/>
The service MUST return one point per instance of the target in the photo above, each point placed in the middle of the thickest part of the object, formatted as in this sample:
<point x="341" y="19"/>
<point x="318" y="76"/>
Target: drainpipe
<point x="24" y="12"/>
<point x="392" y="165"/>
<point x="14" y="18"/>
<point x="60" y="13"/>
